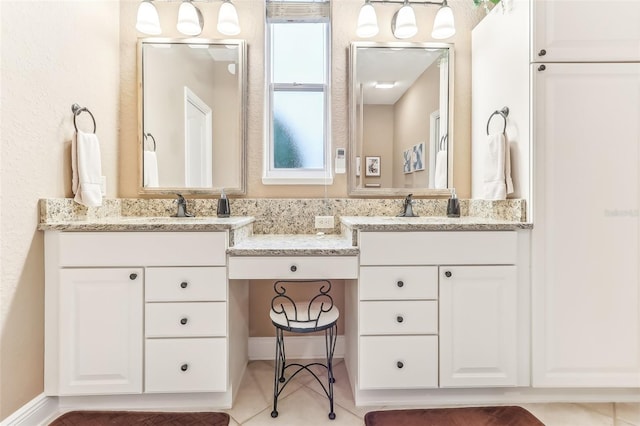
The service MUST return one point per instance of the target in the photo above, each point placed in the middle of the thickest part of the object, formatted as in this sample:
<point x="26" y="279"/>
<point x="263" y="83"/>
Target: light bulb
<point x="444" y="25"/>
<point x="189" y="19"/>
<point x="147" y="21"/>
<point x="228" y="19"/>
<point x="367" y="21"/>
<point x="403" y="24"/>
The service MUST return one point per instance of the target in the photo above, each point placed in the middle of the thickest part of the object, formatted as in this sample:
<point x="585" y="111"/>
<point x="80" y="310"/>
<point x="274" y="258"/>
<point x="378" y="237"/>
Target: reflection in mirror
<point x="191" y="123"/>
<point x="400" y="108"/>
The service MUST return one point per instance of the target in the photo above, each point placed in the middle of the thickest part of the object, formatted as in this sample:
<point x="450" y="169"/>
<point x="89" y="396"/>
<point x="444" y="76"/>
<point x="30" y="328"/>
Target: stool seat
<point x="301" y="317"/>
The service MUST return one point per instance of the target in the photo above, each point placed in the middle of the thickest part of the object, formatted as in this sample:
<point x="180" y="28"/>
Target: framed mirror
<point x="401" y="119"/>
<point x="191" y="116"/>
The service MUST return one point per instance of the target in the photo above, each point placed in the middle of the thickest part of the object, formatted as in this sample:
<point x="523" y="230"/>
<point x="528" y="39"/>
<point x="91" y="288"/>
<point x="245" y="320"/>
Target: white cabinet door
<point x="478" y="326"/>
<point x="100" y="331"/>
<point x="585" y="242"/>
<point x="586" y="31"/>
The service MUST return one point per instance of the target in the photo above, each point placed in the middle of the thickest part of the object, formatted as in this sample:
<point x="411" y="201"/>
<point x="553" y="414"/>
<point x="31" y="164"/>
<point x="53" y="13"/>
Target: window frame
<point x="296" y="176"/>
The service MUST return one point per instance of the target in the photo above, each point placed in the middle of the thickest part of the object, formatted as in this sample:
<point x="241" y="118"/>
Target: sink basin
<point x="163" y="219"/>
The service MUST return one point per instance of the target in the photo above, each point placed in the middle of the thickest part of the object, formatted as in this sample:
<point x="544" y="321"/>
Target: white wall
<point x="53" y="54"/>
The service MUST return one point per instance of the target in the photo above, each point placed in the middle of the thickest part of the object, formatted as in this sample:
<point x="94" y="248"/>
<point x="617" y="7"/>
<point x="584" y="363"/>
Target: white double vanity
<point x="137" y="307"/>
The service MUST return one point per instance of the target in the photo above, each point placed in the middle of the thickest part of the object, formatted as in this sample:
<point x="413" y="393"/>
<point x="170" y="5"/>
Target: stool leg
<point x="278" y="370"/>
<point x="331" y="336"/>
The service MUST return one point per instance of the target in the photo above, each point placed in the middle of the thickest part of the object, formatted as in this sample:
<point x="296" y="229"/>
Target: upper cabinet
<point x="585" y="31"/>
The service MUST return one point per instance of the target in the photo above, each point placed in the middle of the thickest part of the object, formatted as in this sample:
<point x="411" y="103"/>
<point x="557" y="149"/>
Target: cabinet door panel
<point x="100" y="331"/>
<point x="478" y="326"/>
<point x="586" y="31"/>
<point x="586" y="298"/>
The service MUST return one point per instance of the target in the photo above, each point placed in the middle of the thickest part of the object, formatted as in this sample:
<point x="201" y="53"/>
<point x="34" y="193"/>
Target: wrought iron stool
<point x="317" y="314"/>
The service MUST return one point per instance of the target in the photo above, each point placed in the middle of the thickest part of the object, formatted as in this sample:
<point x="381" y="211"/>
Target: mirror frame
<point x="242" y="89"/>
<point x="354" y="191"/>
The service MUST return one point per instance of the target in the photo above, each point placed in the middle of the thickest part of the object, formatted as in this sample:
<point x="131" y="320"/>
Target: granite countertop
<point x="143" y="223"/>
<point x="430" y="223"/>
<point x="294" y="245"/>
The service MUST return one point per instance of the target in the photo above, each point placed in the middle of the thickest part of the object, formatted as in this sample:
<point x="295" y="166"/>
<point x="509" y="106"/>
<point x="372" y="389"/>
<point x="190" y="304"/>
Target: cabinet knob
<point x="184" y="321"/>
<point x="184" y="367"/>
<point x="184" y="284"/>
<point x="542" y="68"/>
<point x="293" y="268"/>
<point x="400" y="284"/>
<point x="448" y="274"/>
<point x="133" y="276"/>
<point x="399" y="318"/>
<point x="400" y="364"/>
<point x="542" y="52"/>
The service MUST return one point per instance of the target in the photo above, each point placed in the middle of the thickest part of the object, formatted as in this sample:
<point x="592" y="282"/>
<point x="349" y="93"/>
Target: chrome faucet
<point x="182" y="207"/>
<point x="407" y="207"/>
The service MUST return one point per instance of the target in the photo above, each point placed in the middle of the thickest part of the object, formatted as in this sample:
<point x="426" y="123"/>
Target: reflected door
<point x="198" y="135"/>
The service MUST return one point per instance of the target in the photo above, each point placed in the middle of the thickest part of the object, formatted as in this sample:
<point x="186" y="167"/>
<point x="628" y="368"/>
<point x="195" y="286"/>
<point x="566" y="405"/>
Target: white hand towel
<point x="87" y="169"/>
<point x="150" y="168"/>
<point x="497" y="169"/>
<point x="441" y="170"/>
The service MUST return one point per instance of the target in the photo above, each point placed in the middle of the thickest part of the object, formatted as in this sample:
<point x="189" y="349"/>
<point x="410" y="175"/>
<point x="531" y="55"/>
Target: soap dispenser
<point x="223" y="205"/>
<point x="453" y="206"/>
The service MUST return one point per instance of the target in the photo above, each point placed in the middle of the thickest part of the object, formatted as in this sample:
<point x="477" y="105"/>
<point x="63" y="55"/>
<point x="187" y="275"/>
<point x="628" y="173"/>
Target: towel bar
<point x="77" y="110"/>
<point x="504" y="113"/>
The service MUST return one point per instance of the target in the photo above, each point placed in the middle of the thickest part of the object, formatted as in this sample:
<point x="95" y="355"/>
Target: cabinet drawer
<point x="293" y="267"/>
<point x="405" y="282"/>
<point x="185" y="284"/>
<point x="438" y="248"/>
<point x="193" y="319"/>
<point x="399" y="317"/>
<point x="398" y="362"/>
<point x="186" y="365"/>
<point x="142" y="248"/>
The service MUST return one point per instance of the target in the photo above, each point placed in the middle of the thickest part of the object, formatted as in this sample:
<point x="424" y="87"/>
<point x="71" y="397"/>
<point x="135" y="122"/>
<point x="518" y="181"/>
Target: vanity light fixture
<point x="403" y="23"/>
<point x="190" y="21"/>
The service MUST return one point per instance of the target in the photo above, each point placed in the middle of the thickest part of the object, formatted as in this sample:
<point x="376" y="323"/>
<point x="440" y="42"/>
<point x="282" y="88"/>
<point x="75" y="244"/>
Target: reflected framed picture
<point x="418" y="156"/>
<point x="372" y="166"/>
<point x="406" y="156"/>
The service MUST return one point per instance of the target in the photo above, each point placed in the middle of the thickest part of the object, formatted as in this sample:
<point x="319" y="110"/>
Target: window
<point x="297" y="124"/>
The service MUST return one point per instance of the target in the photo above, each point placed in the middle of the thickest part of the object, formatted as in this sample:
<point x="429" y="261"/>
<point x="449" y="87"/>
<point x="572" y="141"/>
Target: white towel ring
<point x="149" y="135"/>
<point x="77" y="110"/>
<point x="504" y="113"/>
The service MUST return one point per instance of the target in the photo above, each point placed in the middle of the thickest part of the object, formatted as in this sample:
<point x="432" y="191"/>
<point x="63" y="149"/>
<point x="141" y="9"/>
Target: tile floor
<point x="303" y="403"/>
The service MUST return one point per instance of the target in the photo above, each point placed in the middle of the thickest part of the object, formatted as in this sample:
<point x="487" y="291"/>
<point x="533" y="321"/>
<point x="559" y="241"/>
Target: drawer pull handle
<point x="293" y="268"/>
<point x="133" y="276"/>
<point x="399" y="318"/>
<point x="542" y="68"/>
<point x="400" y="284"/>
<point x="400" y="364"/>
<point x="542" y="52"/>
<point x="448" y="274"/>
<point x="184" y="284"/>
<point x="184" y="321"/>
<point x="184" y="367"/>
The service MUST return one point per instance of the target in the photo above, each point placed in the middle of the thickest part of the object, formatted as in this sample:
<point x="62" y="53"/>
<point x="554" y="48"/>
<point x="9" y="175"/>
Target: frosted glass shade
<point x="228" y="19"/>
<point x="147" y="21"/>
<point x="443" y="25"/>
<point x="189" y="19"/>
<point x="403" y="24"/>
<point x="367" y="21"/>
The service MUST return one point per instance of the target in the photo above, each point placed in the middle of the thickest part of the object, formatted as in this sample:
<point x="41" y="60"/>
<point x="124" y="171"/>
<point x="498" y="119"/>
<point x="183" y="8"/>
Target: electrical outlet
<point x="324" y="222"/>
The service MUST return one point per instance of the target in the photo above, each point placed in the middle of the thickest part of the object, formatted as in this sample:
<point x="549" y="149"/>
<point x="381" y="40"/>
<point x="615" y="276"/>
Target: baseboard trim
<point x="297" y="347"/>
<point x="38" y="411"/>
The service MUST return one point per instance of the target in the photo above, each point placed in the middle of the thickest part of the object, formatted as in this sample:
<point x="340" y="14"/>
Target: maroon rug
<point x="125" y="418"/>
<point x="467" y="416"/>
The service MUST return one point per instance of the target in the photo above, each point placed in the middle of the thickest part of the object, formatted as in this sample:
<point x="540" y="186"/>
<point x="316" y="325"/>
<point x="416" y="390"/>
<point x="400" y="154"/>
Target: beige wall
<point x="72" y="57"/>
<point x="378" y="122"/>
